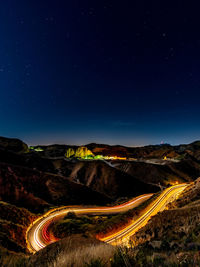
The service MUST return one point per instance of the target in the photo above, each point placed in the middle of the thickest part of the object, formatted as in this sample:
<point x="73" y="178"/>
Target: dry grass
<point x="11" y="259"/>
<point x="81" y="256"/>
<point x="74" y="251"/>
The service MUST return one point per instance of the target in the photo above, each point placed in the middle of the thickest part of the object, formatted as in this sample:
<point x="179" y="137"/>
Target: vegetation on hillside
<point x="14" y="222"/>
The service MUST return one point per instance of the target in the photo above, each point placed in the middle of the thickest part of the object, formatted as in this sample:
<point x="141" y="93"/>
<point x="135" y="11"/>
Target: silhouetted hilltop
<point x="13" y="144"/>
<point x="147" y="152"/>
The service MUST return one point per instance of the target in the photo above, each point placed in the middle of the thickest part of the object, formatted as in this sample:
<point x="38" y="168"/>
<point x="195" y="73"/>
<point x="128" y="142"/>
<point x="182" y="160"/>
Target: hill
<point x="37" y="190"/>
<point x="13" y="144"/>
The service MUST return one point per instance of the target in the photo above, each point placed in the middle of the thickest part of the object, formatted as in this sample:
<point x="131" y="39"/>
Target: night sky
<point x="116" y="72"/>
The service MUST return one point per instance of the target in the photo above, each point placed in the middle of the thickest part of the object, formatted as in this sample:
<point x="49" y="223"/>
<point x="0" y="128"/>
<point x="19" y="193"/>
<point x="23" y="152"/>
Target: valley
<point x="117" y="198"/>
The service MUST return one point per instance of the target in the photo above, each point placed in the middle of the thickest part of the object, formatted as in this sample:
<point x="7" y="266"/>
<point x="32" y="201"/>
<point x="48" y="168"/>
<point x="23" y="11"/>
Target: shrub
<point x="70" y="215"/>
<point x="159" y="261"/>
<point x="95" y="263"/>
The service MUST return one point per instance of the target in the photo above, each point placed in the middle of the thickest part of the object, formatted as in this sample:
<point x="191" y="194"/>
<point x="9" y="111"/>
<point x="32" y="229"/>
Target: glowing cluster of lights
<point x="37" y="149"/>
<point x="80" y="152"/>
<point x="84" y="153"/>
<point x="115" y="158"/>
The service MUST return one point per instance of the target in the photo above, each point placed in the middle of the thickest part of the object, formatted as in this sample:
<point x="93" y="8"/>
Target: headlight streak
<point x="38" y="235"/>
<point x="135" y="226"/>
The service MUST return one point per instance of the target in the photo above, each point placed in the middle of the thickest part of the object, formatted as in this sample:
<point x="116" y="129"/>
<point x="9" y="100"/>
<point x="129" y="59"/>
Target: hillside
<point x="13" y="224"/>
<point x="173" y="236"/>
<point x="36" y="190"/>
<point x="103" y="178"/>
<point x="169" y="173"/>
<point x="13" y="144"/>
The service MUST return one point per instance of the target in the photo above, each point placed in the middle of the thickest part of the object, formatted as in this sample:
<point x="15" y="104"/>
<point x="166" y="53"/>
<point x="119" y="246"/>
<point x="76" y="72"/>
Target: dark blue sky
<point x="117" y="72"/>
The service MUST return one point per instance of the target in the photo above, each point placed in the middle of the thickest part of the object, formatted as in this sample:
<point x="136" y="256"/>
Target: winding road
<point x="159" y="204"/>
<point x="39" y="234"/>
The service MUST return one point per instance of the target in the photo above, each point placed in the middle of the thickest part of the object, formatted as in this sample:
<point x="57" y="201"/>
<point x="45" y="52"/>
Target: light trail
<point x="123" y="235"/>
<point x="38" y="236"/>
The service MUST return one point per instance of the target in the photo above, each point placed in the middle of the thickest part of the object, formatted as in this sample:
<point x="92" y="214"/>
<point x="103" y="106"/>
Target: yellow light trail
<point x="123" y="235"/>
<point x="37" y="237"/>
<point x="34" y="238"/>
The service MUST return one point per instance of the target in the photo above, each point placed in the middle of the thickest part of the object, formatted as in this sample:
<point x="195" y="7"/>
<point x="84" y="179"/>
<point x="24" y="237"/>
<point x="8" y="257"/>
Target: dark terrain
<point x="33" y="182"/>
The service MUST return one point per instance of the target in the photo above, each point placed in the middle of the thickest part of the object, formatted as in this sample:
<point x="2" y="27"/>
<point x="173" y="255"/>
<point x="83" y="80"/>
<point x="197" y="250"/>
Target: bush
<point x="70" y="215"/>
<point x="159" y="261"/>
<point x="141" y="258"/>
<point x="118" y="260"/>
<point x="122" y="259"/>
<point x="95" y="263"/>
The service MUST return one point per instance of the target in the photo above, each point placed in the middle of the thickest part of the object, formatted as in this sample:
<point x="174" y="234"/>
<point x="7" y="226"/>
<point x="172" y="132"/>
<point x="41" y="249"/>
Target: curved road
<point x="39" y="234"/>
<point x="159" y="204"/>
